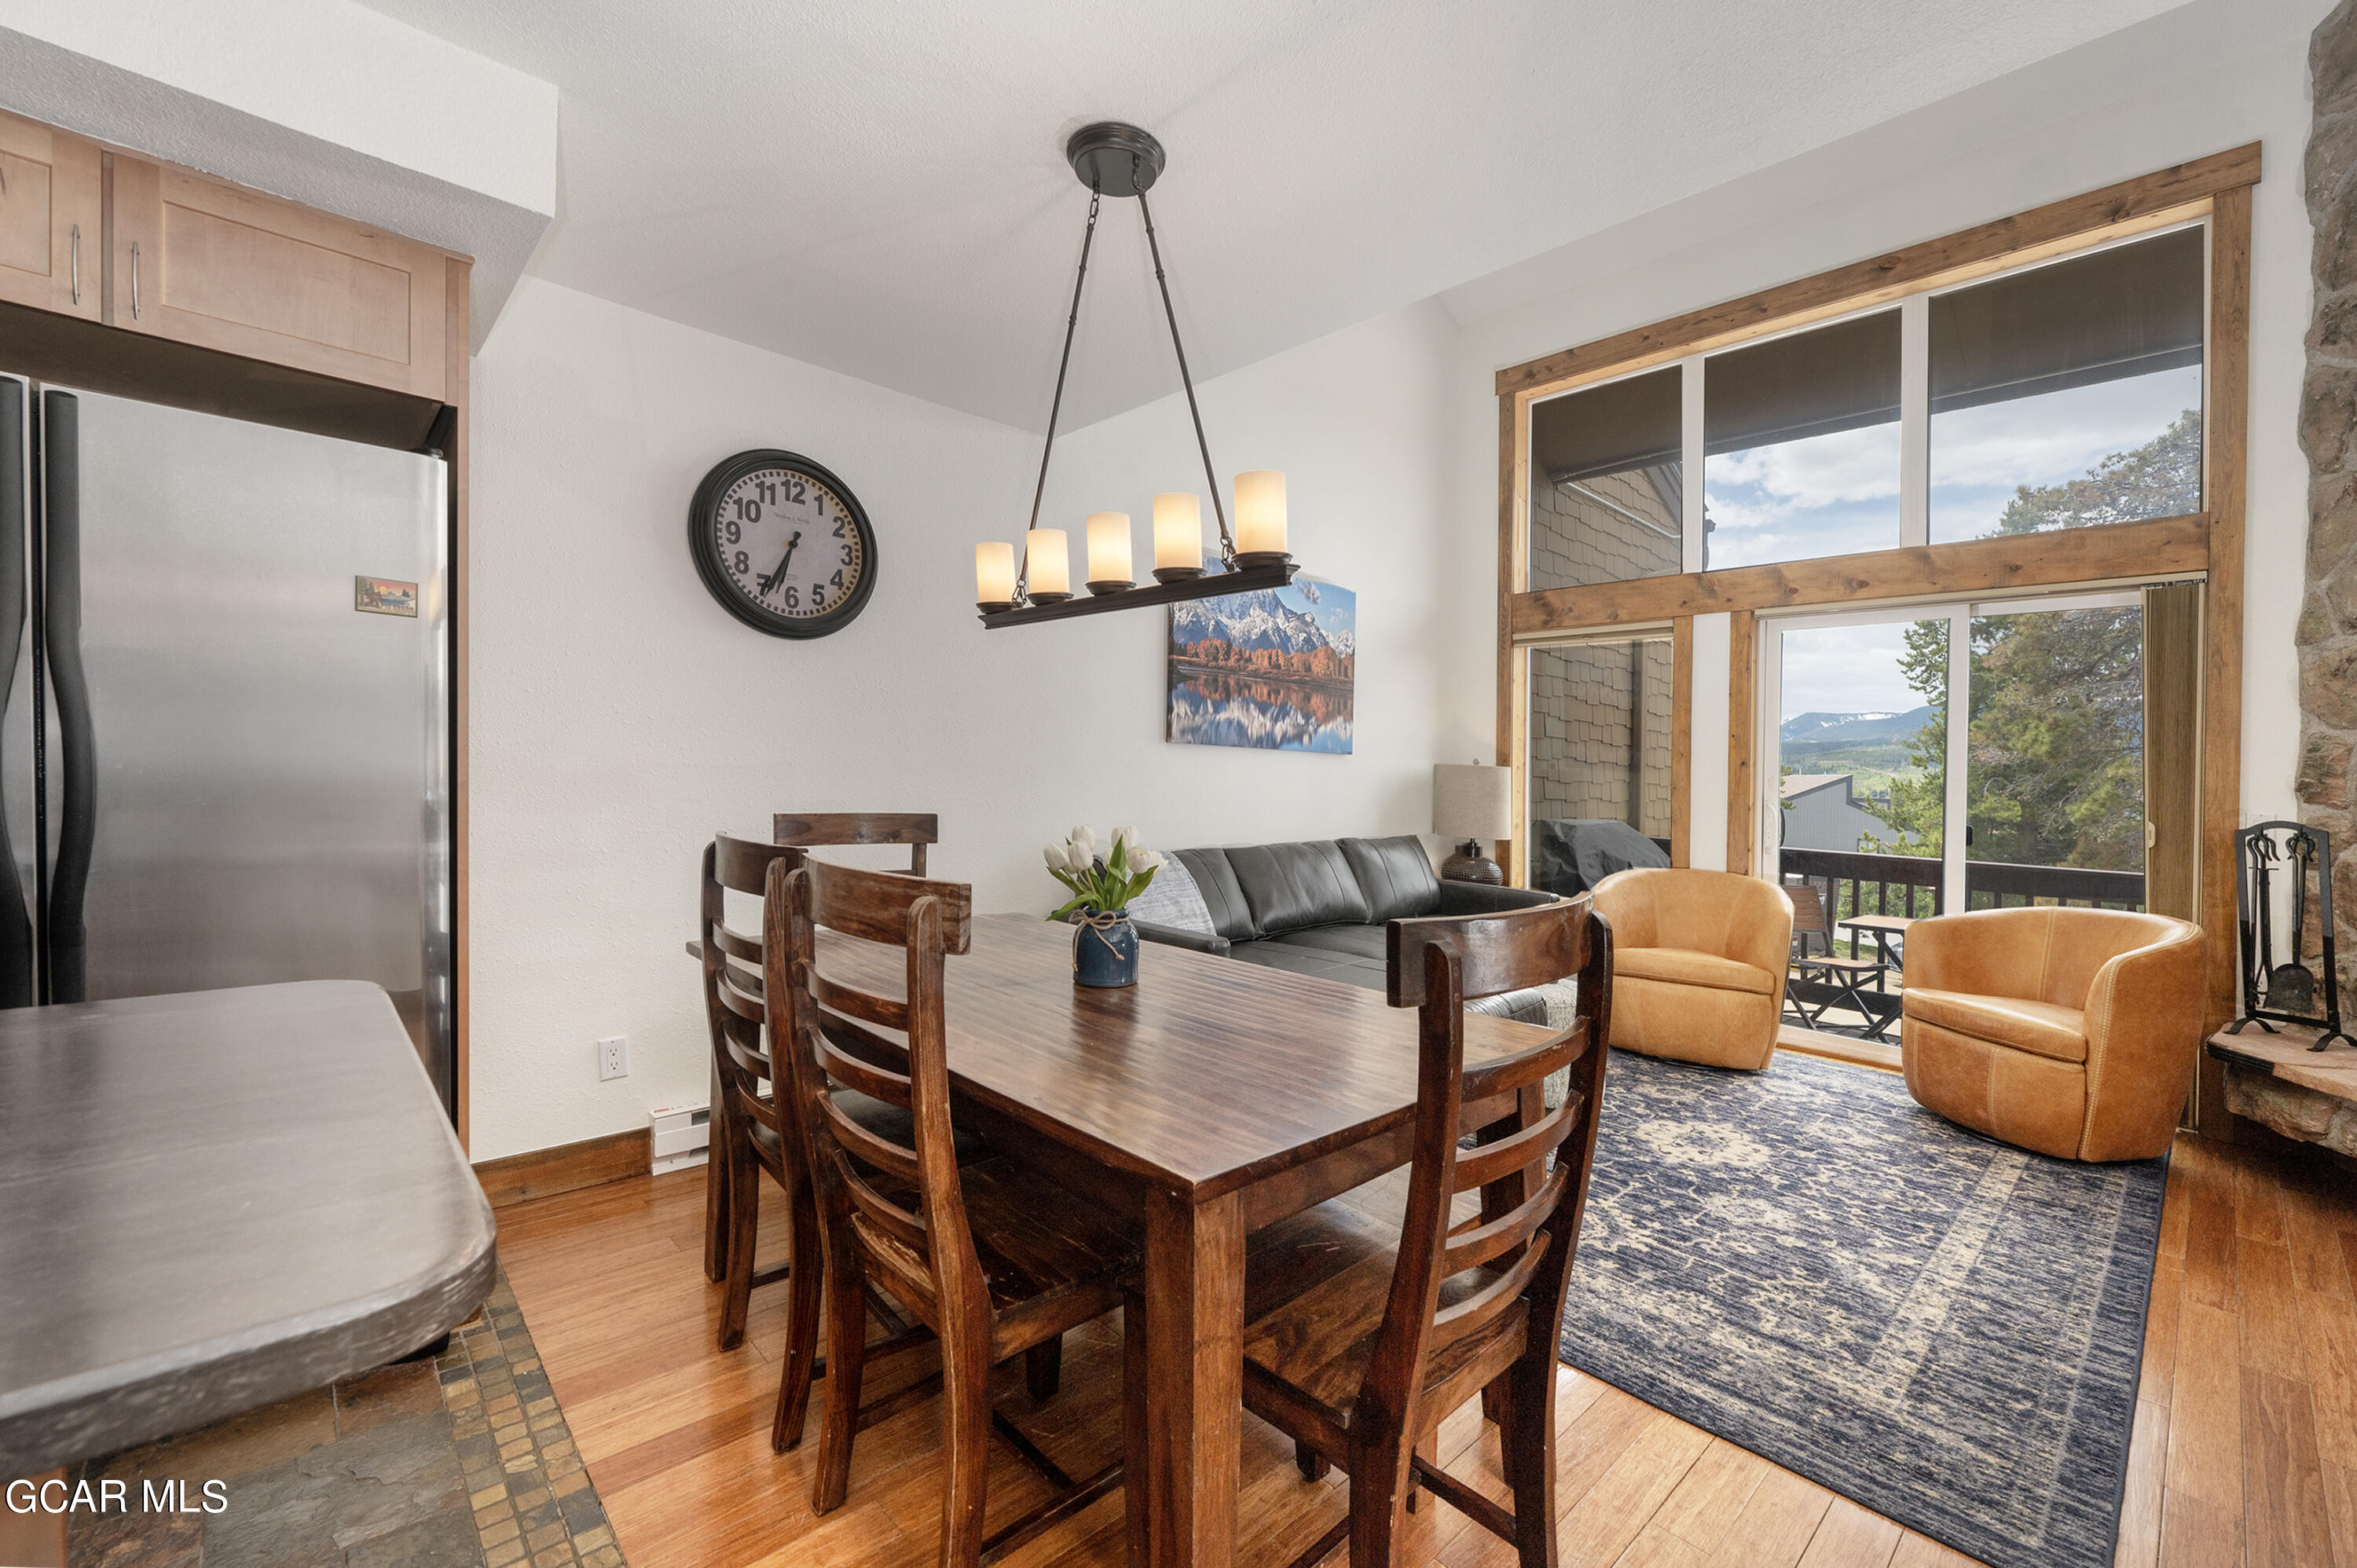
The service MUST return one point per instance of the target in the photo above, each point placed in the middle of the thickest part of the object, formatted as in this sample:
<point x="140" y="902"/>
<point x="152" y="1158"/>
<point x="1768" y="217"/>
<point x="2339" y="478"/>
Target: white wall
<point x="619" y="716"/>
<point x="2072" y="124"/>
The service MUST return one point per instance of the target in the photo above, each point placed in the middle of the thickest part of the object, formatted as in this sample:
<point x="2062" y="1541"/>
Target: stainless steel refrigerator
<point x="226" y="751"/>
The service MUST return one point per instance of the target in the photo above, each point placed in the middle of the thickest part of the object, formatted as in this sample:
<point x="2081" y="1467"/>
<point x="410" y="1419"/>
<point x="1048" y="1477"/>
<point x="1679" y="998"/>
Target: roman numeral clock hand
<point x="769" y="584"/>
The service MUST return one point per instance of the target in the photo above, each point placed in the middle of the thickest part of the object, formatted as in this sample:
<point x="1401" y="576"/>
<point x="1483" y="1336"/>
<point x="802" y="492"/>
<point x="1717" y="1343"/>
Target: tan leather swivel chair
<point x="2071" y="1032"/>
<point x="1698" y="961"/>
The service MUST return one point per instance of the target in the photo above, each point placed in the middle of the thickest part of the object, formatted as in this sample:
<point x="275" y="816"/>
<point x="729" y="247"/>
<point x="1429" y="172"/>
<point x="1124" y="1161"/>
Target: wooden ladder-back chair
<point x="995" y="1259"/>
<point x="761" y="1137"/>
<point x="746" y="1127"/>
<point x="797" y="833"/>
<point x="1357" y="1349"/>
<point x="746" y="1135"/>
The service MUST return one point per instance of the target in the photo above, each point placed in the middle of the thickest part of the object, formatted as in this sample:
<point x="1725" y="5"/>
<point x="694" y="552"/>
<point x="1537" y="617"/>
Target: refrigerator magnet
<point x="384" y="596"/>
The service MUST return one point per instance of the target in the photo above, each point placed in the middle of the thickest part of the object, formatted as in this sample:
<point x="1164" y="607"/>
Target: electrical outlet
<point x="614" y="1056"/>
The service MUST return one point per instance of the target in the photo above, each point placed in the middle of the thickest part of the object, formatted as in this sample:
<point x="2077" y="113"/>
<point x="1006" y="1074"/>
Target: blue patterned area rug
<point x="1805" y="1262"/>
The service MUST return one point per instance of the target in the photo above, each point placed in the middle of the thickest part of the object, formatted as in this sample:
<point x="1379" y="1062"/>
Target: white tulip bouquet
<point x="1106" y="883"/>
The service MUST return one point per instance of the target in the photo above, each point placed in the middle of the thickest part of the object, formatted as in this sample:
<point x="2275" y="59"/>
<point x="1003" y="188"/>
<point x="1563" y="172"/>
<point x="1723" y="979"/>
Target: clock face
<point x="783" y="544"/>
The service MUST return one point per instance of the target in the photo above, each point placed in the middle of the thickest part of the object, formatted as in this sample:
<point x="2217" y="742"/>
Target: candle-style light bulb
<point x="994" y="575"/>
<point x="1051" y="565"/>
<point x="1109" y="553"/>
<point x="1178" y="536"/>
<point x="1260" y="516"/>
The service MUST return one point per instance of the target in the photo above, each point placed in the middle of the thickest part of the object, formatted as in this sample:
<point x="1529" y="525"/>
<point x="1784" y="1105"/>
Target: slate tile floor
<point x="463" y="1461"/>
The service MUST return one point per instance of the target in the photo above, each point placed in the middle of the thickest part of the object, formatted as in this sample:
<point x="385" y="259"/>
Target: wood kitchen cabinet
<point x="202" y="261"/>
<point x="51" y="218"/>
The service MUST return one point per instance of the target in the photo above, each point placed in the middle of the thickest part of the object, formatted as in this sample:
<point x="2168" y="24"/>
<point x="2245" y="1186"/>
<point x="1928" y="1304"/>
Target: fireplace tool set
<point x="2281" y="985"/>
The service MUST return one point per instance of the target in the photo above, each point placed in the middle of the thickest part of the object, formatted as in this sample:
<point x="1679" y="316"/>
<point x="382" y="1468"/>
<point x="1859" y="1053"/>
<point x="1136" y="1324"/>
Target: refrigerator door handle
<point x="61" y="623"/>
<point x="16" y="920"/>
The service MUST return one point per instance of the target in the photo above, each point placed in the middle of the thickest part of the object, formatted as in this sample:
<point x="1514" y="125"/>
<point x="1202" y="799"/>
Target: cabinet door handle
<point x="134" y="280"/>
<point x="77" y="263"/>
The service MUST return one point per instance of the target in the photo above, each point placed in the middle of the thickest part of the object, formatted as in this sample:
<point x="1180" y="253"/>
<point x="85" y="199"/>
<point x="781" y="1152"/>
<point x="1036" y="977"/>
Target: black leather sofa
<point x="1320" y="908"/>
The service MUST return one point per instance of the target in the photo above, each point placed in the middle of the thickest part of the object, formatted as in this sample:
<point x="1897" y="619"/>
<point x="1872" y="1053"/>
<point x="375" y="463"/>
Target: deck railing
<point x="1854" y="883"/>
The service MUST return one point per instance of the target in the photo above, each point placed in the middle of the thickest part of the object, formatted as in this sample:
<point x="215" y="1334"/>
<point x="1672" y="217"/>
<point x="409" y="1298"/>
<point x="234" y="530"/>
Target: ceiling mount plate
<point x="1112" y="157"/>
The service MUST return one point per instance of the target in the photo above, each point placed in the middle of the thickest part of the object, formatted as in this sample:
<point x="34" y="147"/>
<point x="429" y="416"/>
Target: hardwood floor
<point x="2244" y="1449"/>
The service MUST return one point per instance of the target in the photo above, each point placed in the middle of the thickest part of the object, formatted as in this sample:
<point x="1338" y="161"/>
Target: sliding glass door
<point x="1947" y="756"/>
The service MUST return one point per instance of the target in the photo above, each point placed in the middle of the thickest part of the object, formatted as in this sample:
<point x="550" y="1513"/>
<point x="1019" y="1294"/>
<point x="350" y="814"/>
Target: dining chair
<point x="1845" y="975"/>
<point x="744" y="1130"/>
<point x="798" y="831"/>
<point x="995" y="1259"/>
<point x="1358" y="1344"/>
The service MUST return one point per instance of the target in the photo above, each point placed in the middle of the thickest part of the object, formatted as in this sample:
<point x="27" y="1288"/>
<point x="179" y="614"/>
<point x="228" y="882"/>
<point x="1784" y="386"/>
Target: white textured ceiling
<point x="879" y="188"/>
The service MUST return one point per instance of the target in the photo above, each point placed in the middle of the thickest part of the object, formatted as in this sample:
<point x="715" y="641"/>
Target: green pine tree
<point x="2056" y="732"/>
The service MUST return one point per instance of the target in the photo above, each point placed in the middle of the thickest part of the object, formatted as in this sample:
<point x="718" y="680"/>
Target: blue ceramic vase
<point x="1104" y="950"/>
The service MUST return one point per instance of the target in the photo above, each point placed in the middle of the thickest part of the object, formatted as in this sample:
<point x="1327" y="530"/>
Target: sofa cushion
<point x="1397" y="876"/>
<point x="1292" y="887"/>
<point x="1684" y="966"/>
<point x="1215" y="879"/>
<point x="1357" y="942"/>
<point x="2042" y="1029"/>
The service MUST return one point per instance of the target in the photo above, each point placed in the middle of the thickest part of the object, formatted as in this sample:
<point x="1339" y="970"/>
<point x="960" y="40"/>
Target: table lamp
<point x="1474" y="803"/>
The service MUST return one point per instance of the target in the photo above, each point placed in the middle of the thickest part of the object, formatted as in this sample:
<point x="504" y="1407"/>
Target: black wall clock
<point x="783" y="544"/>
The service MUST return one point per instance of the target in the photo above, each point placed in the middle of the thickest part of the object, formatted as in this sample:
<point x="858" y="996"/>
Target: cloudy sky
<point x="1832" y="495"/>
<point x="1846" y="669"/>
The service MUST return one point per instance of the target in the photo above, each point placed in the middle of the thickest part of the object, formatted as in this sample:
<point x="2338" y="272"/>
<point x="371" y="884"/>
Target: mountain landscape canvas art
<point x="1273" y="669"/>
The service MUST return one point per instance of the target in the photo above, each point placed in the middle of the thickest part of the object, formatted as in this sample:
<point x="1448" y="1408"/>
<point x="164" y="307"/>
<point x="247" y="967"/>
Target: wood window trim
<point x="2150" y="201"/>
<point x="2225" y="435"/>
<point x="2165" y="546"/>
<point x="2218" y="188"/>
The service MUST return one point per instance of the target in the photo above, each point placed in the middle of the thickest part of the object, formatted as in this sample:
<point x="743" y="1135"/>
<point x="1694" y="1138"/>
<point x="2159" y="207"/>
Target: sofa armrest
<point x="1174" y="935"/>
<point x="1482" y="898"/>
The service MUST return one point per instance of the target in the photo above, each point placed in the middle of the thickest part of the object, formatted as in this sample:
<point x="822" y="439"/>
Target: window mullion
<point x="1960" y="706"/>
<point x="1915" y="420"/>
<point x="1690" y="387"/>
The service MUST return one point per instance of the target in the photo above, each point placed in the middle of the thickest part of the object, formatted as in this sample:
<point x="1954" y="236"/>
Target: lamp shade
<point x="1260" y="511"/>
<point x="1179" y="532"/>
<point x="994" y="573"/>
<point x="1470" y="800"/>
<point x="1049" y="560"/>
<point x="1108" y="547"/>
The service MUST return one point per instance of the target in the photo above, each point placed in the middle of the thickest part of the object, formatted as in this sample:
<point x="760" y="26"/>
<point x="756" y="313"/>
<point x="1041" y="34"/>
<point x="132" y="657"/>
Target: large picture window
<point x="2070" y="393"/>
<point x="2000" y="430"/>
<point x="2065" y="393"/>
<point x="1801" y="434"/>
<point x="1608" y="483"/>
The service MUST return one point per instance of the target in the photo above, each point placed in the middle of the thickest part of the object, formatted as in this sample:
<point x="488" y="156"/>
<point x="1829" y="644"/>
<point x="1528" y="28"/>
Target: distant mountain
<point x="1856" y="726"/>
<point x="1249" y="621"/>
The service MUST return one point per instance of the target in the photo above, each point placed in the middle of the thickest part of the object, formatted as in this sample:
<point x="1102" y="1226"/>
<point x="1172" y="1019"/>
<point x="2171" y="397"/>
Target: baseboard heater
<point x="683" y="1136"/>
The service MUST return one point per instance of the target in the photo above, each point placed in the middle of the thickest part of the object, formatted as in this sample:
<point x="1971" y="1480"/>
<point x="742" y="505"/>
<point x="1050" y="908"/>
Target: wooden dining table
<point x="1210" y="1099"/>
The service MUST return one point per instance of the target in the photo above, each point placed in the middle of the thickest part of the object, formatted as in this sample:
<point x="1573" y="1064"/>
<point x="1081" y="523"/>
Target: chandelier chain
<point x="1227" y="542"/>
<point x="1063" y="366"/>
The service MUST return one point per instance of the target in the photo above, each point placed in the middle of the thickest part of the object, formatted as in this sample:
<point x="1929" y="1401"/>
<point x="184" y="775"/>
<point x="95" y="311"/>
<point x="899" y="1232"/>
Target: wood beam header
<point x="2180" y="191"/>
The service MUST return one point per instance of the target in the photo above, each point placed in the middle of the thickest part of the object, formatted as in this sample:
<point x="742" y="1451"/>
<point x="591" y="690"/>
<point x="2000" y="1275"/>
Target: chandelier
<point x="1120" y="160"/>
